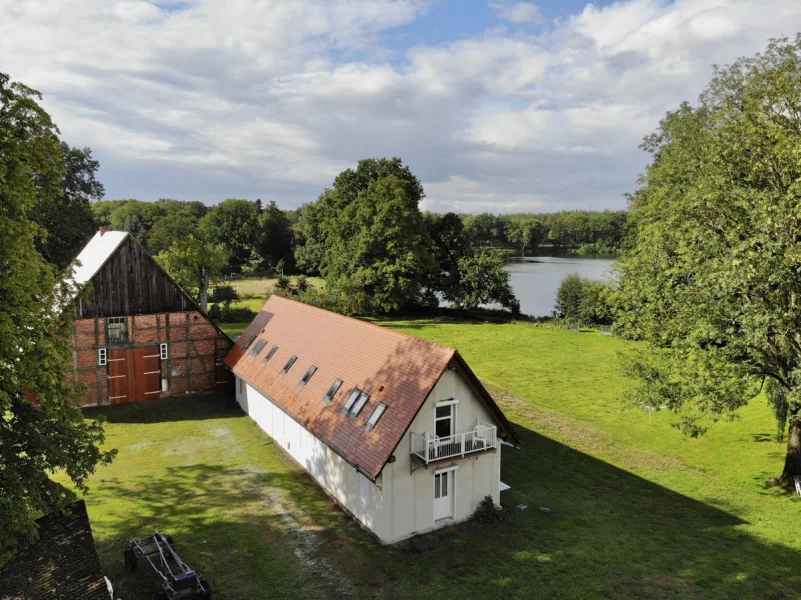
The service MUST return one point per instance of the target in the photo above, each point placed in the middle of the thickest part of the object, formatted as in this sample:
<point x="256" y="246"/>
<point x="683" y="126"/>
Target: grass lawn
<point x="637" y="511"/>
<point x="262" y="286"/>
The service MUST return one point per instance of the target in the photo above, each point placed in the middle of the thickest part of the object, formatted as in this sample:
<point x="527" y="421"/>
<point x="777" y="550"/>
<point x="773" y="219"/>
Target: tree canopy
<point x="192" y="261"/>
<point x="712" y="280"/>
<point x="35" y="357"/>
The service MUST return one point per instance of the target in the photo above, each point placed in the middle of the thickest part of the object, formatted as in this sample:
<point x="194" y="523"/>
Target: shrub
<point x="301" y="284"/>
<point x="240" y="314"/>
<point x="224" y="294"/>
<point x="487" y="512"/>
<point x="583" y="300"/>
<point x="282" y="283"/>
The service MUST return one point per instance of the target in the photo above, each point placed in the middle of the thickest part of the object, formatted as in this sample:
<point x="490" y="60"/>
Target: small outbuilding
<point x="137" y="335"/>
<point x="398" y="430"/>
<point x="61" y="565"/>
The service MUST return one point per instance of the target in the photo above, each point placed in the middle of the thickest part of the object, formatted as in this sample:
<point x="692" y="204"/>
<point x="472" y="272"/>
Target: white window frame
<point x="453" y="405"/>
<point x="102" y="357"/>
<point x="164" y="352"/>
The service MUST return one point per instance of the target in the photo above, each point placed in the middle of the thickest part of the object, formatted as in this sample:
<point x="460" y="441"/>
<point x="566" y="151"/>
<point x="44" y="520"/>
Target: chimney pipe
<point x="104" y="229"/>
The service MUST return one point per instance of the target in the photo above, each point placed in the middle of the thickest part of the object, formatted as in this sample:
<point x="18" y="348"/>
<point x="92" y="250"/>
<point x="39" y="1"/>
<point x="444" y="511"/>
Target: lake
<point x="535" y="279"/>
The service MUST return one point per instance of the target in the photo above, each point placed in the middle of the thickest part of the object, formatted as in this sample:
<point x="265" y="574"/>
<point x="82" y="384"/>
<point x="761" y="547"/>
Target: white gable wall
<point x="399" y="504"/>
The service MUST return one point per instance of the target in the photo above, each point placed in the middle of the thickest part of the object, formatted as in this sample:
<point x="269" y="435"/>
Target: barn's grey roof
<point x="61" y="565"/>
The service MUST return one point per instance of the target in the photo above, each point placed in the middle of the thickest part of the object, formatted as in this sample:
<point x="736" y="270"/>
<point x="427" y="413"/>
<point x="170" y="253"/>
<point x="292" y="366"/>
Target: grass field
<point x="637" y="511"/>
<point x="254" y="292"/>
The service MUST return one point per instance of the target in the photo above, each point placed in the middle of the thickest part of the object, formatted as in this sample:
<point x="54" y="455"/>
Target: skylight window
<point x="356" y="402"/>
<point x="258" y="347"/>
<point x="269" y="355"/>
<point x="332" y="390"/>
<point x="308" y="375"/>
<point x="378" y="412"/>
<point x="354" y="395"/>
<point x="249" y="342"/>
<point x="357" y="408"/>
<point x="289" y="364"/>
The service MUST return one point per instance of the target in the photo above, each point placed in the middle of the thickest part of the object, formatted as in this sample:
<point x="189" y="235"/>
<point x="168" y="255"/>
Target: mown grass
<point x="637" y="511"/>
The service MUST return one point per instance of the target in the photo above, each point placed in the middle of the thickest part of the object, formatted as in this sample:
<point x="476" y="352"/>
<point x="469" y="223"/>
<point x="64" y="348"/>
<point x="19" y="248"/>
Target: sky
<point x="499" y="106"/>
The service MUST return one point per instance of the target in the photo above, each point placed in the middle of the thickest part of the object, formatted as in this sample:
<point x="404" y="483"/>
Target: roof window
<point x="332" y="390"/>
<point x="269" y="355"/>
<point x="356" y="402"/>
<point x="308" y="375"/>
<point x="258" y="347"/>
<point x="249" y="342"/>
<point x="378" y="412"/>
<point x="289" y="364"/>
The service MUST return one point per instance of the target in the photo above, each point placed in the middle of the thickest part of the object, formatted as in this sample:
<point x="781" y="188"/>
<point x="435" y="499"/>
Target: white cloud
<point x="272" y="98"/>
<point x="519" y="12"/>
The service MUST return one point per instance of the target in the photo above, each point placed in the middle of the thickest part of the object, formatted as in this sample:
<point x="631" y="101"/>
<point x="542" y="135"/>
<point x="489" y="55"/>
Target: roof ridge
<point x="379" y="327"/>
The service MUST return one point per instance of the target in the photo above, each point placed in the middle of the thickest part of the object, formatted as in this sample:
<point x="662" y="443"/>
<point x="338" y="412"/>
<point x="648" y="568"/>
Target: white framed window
<point x="164" y="353"/>
<point x="102" y="357"/>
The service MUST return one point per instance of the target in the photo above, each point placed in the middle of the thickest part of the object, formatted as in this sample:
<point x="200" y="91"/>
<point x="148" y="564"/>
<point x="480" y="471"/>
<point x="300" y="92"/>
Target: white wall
<point x="400" y="504"/>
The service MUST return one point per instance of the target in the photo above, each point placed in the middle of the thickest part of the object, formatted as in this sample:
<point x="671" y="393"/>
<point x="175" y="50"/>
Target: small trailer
<point x="177" y="580"/>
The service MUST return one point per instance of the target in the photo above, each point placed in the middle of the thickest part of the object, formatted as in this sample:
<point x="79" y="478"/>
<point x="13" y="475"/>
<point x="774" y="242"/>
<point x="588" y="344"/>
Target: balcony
<point x="429" y="448"/>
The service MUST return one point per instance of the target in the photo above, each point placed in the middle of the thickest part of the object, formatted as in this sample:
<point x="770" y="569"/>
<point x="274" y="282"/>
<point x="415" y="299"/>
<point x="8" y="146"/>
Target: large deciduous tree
<point x="234" y="224"/>
<point x="274" y="242"/>
<point x="67" y="217"/>
<point x="712" y="280"/>
<point x="482" y="280"/>
<point x="35" y="359"/>
<point x="192" y="262"/>
<point x="368" y="237"/>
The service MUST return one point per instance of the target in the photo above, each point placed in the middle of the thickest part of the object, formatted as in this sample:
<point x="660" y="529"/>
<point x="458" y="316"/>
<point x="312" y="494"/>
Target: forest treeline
<point x="263" y="238"/>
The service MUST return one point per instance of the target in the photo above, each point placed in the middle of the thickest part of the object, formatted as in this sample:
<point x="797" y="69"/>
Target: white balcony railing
<point x="430" y="448"/>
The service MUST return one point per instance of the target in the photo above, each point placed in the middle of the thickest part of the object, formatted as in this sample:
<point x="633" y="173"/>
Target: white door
<point x="443" y="495"/>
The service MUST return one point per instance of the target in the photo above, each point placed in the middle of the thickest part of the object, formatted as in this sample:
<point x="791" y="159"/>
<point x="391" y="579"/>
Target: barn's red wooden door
<point x="147" y="369"/>
<point x="120" y="375"/>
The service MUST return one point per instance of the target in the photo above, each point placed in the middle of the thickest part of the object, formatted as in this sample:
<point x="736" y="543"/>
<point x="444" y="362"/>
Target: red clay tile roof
<point x="393" y="368"/>
<point x="61" y="565"/>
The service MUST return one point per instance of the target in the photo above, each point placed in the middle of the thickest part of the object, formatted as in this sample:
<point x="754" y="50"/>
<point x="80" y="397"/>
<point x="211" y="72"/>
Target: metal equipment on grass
<point x="177" y="581"/>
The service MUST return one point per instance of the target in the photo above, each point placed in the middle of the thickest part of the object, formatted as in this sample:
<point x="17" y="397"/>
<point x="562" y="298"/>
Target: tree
<point x="711" y="279"/>
<point x="482" y="281"/>
<point x="583" y="300"/>
<point x="569" y="296"/>
<point x="169" y="229"/>
<point x="367" y="237"/>
<point x="192" y="262"/>
<point x="35" y="356"/>
<point x="67" y="218"/>
<point x="486" y="230"/>
<point x="448" y="244"/>
<point x="377" y="245"/>
<point x="234" y="224"/>
<point x="524" y="233"/>
<point x="275" y="237"/>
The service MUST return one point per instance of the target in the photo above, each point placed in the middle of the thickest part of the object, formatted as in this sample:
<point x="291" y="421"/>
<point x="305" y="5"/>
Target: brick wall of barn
<point x="195" y="351"/>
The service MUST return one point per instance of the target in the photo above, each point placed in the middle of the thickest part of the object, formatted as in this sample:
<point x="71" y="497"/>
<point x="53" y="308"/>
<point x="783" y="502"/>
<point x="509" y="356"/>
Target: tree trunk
<point x="792" y="462"/>
<point x="203" y="295"/>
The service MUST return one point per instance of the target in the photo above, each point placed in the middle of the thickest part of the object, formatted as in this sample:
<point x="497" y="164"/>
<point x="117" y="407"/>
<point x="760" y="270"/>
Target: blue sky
<point x="498" y="105"/>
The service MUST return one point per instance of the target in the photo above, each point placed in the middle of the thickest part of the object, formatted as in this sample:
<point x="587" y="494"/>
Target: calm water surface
<point x="535" y="279"/>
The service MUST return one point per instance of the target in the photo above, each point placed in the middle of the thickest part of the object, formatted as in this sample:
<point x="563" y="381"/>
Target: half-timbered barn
<point x="137" y="335"/>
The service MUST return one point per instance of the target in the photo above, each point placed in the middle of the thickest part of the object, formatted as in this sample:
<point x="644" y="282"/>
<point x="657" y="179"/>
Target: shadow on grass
<point x="218" y="405"/>
<point x="612" y="534"/>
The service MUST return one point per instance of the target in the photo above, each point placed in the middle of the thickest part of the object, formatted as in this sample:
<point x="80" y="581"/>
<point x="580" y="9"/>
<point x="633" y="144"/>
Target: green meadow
<point x="637" y="511"/>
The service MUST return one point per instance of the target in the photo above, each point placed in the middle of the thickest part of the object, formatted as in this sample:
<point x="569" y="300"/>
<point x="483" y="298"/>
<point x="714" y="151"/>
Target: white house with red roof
<point x="398" y="430"/>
